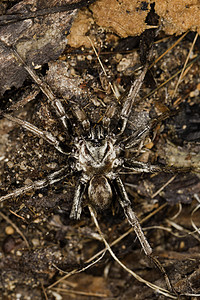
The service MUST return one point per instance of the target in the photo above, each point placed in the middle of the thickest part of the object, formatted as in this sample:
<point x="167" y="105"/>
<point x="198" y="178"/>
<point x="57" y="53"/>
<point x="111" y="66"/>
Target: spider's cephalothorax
<point x="97" y="157"/>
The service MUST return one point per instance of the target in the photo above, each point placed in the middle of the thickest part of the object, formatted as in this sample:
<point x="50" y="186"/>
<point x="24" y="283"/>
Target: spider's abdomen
<point x="99" y="192"/>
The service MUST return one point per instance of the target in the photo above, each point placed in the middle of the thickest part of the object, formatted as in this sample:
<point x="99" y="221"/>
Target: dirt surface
<point x="43" y="253"/>
<point x="128" y="18"/>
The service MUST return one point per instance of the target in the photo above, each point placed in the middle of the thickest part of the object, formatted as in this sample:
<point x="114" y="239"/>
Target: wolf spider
<point x="96" y="154"/>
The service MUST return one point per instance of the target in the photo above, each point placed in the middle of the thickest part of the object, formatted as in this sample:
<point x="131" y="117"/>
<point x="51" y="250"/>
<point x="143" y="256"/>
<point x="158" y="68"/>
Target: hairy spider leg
<point x="39" y="184"/>
<point x="133" y="92"/>
<point x="54" y="101"/>
<point x="140" y="167"/>
<point x="77" y="201"/>
<point x="60" y="111"/>
<point x="45" y="135"/>
<point x="132" y="219"/>
<point x="141" y="132"/>
<point x="130" y="215"/>
<point x="44" y="87"/>
<point x="82" y="117"/>
<point x="110" y="111"/>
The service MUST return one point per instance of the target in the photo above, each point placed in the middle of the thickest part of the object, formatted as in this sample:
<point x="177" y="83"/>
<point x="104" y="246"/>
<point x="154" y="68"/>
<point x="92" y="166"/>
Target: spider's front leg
<point x="44" y="87"/>
<point x="45" y="135"/>
<point x="132" y="94"/>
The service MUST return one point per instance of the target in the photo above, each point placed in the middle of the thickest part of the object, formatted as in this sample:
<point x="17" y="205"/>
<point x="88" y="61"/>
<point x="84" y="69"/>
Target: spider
<point x="96" y="154"/>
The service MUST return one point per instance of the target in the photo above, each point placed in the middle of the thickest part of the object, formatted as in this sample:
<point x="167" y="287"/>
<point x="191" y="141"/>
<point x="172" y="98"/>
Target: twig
<point x="164" y="186"/>
<point x="75" y="271"/>
<point x="169" y="49"/>
<point x="102" y="252"/>
<point x="140" y="279"/>
<point x="15" y="227"/>
<point x="100" y="62"/>
<point x="186" y="61"/>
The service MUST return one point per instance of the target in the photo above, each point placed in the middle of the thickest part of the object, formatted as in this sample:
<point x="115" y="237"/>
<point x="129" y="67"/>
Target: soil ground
<point x="39" y="243"/>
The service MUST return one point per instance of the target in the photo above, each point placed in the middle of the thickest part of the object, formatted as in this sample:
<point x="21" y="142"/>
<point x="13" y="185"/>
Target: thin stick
<point x="104" y="250"/>
<point x="194" y="210"/>
<point x="18" y="216"/>
<point x="178" y="212"/>
<point x="82" y="269"/>
<point x="88" y="294"/>
<point x="44" y="291"/>
<point x="186" y="61"/>
<point x="13" y="18"/>
<point x="100" y="62"/>
<point x="16" y="228"/>
<point x="169" y="49"/>
<point x="75" y="271"/>
<point x="140" y="279"/>
<point x="164" y="186"/>
<point x="169" y="79"/>
<point x="182" y="229"/>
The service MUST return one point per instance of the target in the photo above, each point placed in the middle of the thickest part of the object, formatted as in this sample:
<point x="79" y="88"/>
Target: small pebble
<point x="9" y="230"/>
<point x="10" y="164"/>
<point x="35" y="242"/>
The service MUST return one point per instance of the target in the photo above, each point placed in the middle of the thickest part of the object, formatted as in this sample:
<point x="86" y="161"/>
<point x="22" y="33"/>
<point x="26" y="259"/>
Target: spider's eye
<point x="118" y="127"/>
<point x="97" y="143"/>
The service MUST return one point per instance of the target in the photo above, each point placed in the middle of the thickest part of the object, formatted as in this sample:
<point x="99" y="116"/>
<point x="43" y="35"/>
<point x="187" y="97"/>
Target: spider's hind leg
<point x="131" y="217"/>
<point x="39" y="184"/>
<point x="77" y="201"/>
